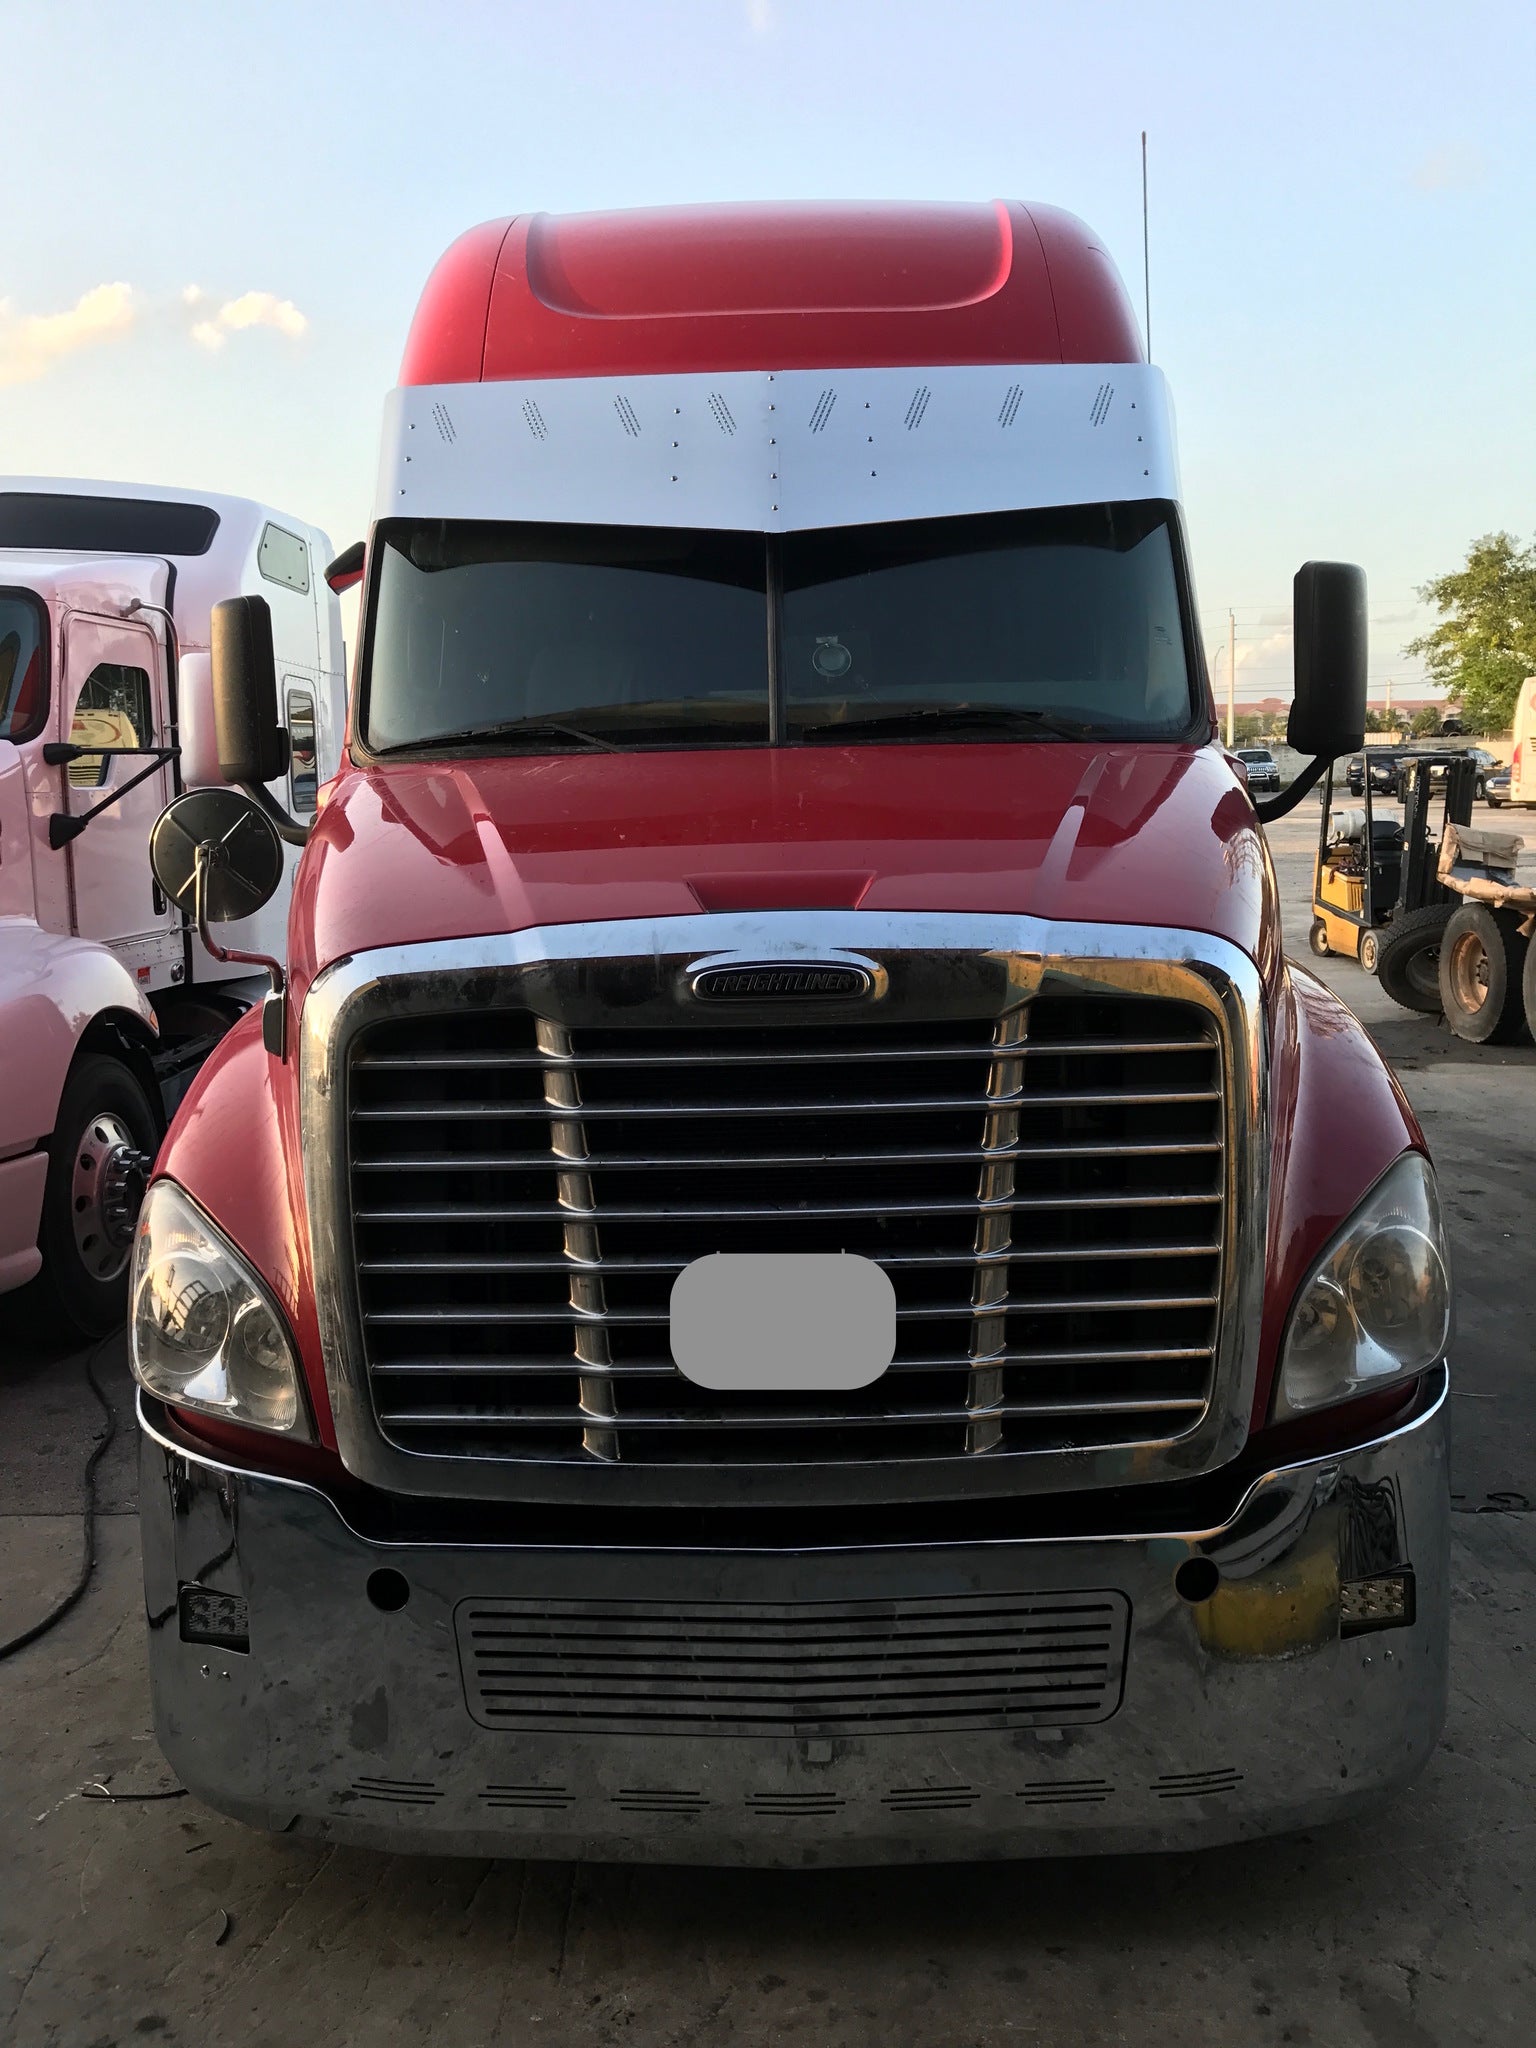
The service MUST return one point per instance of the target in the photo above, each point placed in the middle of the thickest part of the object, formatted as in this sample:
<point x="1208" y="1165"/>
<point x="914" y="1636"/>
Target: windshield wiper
<point x="1003" y="718"/>
<point x="508" y="729"/>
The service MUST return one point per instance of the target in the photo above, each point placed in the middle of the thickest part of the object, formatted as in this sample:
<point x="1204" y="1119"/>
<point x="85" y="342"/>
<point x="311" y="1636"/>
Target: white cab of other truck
<point x="108" y="1000"/>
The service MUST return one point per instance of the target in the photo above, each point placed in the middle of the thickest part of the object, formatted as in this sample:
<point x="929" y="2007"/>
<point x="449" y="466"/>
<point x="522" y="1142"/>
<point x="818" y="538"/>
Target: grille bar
<point x="525" y="1212"/>
<point x="790" y="1056"/>
<point x="1046" y="1188"/>
<point x="471" y="1368"/>
<point x="1010" y="1255"/>
<point x="1106" y="1305"/>
<point x="891" y="1418"/>
<point x="885" y="1105"/>
<point x="480" y="1162"/>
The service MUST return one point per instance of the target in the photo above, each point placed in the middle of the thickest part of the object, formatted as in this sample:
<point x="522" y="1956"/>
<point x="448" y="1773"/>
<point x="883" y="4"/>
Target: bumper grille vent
<point x="1045" y="1189"/>
<point x="866" y="1667"/>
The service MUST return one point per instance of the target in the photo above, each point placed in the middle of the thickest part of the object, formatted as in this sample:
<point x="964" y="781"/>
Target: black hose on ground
<point x="103" y="1444"/>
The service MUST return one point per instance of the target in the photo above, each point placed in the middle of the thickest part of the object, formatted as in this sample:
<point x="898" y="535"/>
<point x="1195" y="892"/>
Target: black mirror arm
<point x="288" y="829"/>
<point x="274" y="1010"/>
<point x="66" y="825"/>
<point x="1268" y="808"/>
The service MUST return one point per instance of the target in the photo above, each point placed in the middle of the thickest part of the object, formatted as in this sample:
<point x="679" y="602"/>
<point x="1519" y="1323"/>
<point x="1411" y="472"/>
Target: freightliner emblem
<point x="782" y="982"/>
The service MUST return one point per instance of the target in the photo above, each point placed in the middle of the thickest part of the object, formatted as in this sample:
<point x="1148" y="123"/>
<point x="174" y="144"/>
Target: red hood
<point x="1115" y="835"/>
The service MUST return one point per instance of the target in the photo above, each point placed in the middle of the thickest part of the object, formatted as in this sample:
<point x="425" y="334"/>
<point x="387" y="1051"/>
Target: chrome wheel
<point x="106" y="1187"/>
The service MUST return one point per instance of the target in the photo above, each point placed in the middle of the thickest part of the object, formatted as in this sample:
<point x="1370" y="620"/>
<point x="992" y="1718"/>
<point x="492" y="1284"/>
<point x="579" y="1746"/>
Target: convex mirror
<point x="241" y="854"/>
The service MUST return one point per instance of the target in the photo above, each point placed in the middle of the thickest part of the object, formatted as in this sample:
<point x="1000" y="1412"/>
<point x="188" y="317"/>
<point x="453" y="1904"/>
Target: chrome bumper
<point x="1242" y="1715"/>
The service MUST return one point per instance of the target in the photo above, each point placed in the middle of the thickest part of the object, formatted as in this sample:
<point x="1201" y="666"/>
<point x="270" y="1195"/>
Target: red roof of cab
<point x="769" y="287"/>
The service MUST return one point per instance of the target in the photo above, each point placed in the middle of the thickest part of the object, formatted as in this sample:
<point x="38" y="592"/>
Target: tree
<point x="1426" y="723"/>
<point x="1485" y="644"/>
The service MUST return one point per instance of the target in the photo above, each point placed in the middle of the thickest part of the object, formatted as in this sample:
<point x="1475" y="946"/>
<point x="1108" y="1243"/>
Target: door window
<point x="112" y="710"/>
<point x="303" y="772"/>
<point x="283" y="558"/>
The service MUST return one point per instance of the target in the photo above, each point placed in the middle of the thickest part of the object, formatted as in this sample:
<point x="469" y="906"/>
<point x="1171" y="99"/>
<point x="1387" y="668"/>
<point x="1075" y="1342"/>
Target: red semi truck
<point x="783" y="832"/>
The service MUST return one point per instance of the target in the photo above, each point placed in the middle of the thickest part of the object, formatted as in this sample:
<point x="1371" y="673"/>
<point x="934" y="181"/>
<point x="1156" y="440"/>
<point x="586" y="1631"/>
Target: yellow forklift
<point x="1376" y="896"/>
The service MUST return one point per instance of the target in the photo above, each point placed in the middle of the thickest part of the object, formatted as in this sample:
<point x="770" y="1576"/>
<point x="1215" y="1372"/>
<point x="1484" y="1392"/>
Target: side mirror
<point x="245" y="692"/>
<point x="346" y="572"/>
<point x="253" y="747"/>
<point x="1328" y="711"/>
<point x="217" y="855"/>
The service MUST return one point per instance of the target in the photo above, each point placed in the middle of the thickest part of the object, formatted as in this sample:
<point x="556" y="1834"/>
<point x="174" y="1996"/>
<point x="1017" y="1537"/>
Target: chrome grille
<point x="861" y="1667"/>
<point x="1046" y="1189"/>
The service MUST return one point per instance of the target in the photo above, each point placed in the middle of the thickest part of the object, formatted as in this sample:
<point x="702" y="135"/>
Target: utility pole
<point x="1389" y="700"/>
<point x="1231" y="678"/>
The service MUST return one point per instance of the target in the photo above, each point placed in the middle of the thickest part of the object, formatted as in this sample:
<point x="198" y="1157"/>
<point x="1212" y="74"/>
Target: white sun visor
<point x="776" y="451"/>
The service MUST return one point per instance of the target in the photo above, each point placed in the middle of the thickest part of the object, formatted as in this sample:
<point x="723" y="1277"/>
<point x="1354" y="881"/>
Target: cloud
<point x="1450" y="169"/>
<point x="30" y="344"/>
<point x="251" y="309"/>
<point x="760" y="17"/>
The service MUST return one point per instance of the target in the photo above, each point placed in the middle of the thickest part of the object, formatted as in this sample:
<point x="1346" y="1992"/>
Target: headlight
<point x="1377" y="1305"/>
<point x="204" y="1333"/>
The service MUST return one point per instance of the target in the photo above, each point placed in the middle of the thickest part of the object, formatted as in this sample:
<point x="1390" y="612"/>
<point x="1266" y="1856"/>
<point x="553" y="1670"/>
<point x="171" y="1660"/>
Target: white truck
<point x="108" y="1000"/>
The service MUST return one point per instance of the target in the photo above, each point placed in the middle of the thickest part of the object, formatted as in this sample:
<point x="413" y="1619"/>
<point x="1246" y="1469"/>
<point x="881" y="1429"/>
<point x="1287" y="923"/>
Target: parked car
<point x="1498" y="791"/>
<point x="1263" y="773"/>
<point x="1390" y="767"/>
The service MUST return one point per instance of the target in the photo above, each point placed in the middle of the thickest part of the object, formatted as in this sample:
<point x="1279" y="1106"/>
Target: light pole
<point x="1215" y="664"/>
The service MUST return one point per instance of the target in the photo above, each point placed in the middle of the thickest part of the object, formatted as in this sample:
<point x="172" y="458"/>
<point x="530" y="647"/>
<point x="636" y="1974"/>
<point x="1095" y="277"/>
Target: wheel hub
<point x="106" y="1188"/>
<point x="1468" y="973"/>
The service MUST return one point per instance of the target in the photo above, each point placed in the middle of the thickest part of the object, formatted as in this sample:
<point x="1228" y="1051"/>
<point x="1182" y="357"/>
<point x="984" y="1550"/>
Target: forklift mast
<point x="1420" y="886"/>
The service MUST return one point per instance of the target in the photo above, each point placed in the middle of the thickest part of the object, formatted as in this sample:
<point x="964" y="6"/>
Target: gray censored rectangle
<point x="782" y="1322"/>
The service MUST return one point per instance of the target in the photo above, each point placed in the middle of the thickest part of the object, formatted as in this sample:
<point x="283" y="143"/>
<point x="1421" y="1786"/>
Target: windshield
<point x="1066" y="623"/>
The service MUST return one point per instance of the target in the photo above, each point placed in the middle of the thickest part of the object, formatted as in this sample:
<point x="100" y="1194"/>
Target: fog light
<point x="221" y="1618"/>
<point x="1367" y="1604"/>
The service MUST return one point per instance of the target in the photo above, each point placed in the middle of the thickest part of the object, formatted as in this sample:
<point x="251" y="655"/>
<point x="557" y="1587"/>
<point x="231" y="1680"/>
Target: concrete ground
<point x="146" y="1919"/>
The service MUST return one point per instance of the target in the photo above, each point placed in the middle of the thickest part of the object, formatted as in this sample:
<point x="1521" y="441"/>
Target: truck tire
<point x="1528" y="989"/>
<point x="1408" y="959"/>
<point x="1482" y="961"/>
<point x="103" y="1143"/>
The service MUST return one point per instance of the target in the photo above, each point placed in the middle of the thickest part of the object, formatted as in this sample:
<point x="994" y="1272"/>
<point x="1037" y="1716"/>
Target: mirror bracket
<point x="1268" y="808"/>
<point x="212" y="854"/>
<point x="287" y="829"/>
<point x="66" y="825"/>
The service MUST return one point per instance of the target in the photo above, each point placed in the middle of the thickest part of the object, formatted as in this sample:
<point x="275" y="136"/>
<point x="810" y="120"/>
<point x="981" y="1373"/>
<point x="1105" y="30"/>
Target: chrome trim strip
<point x="937" y="965"/>
<point x="1306" y="1475"/>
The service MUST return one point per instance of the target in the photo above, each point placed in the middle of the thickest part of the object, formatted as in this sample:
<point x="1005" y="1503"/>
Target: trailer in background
<point x="1487" y="961"/>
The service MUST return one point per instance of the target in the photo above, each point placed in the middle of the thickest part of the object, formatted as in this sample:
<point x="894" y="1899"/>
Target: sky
<point x="217" y="221"/>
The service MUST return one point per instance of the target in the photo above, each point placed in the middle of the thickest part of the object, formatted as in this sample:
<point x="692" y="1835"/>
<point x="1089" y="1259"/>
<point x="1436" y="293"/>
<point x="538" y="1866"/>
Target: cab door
<point x="114" y="695"/>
